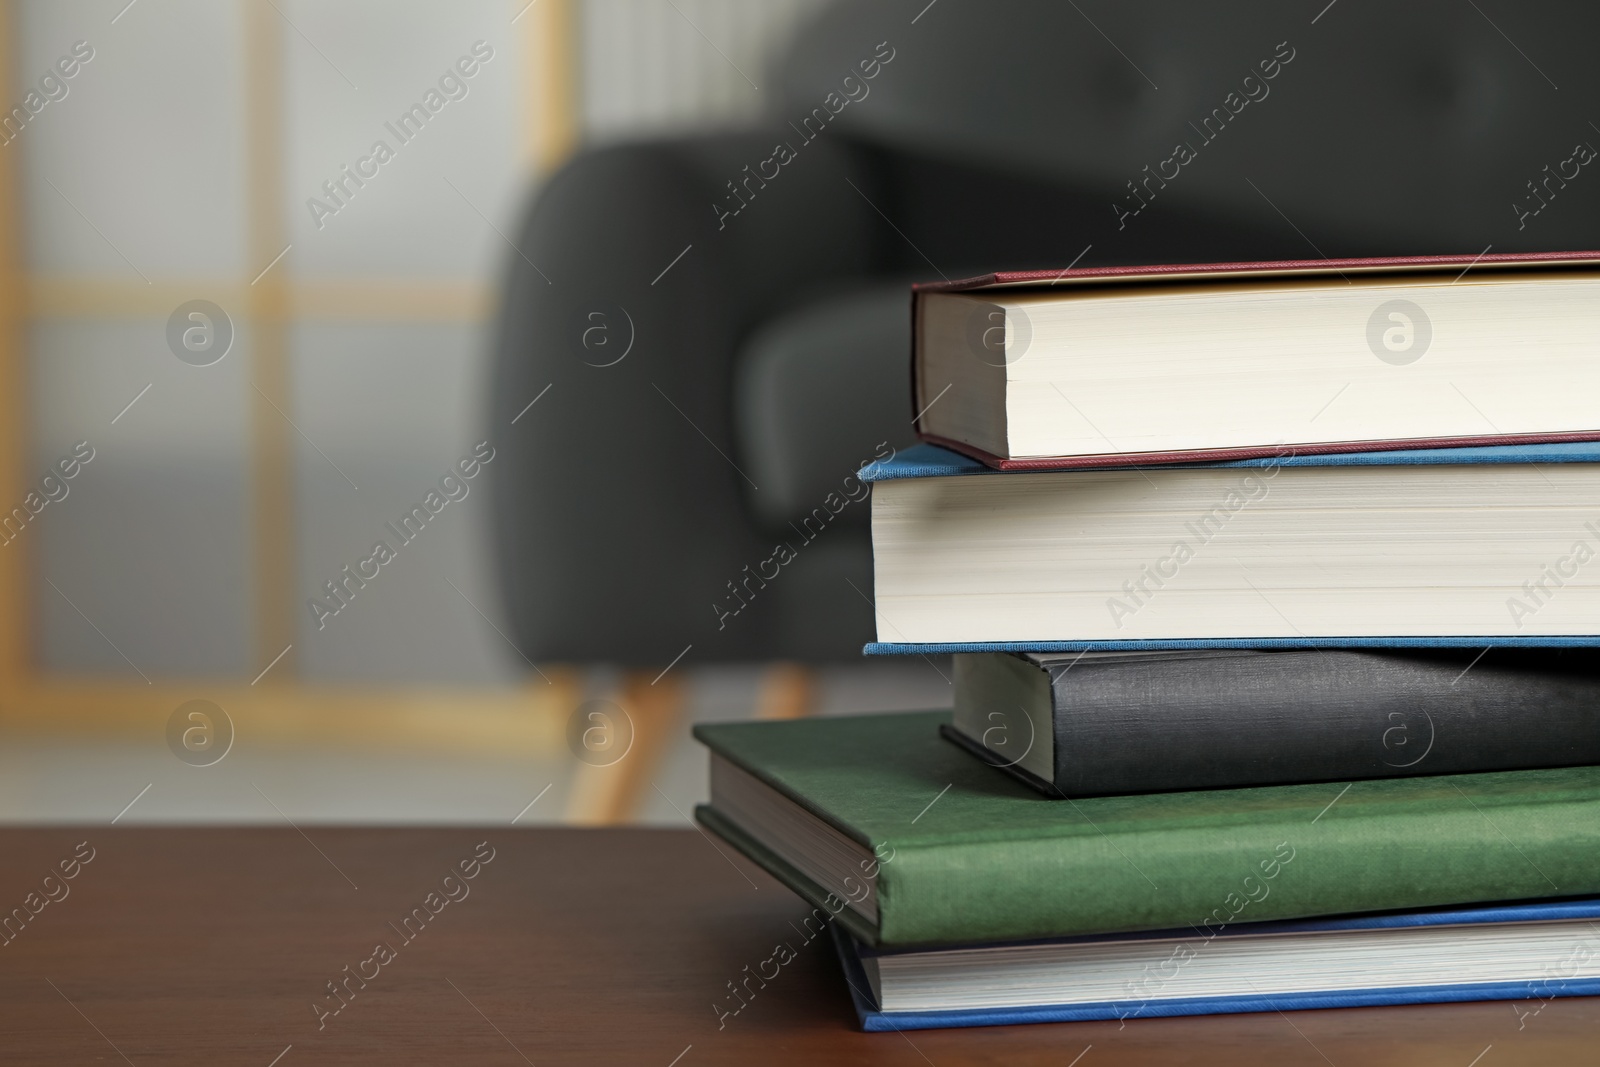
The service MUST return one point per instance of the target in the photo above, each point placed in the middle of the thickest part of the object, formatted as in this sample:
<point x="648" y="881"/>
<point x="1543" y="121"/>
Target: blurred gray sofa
<point x="716" y="329"/>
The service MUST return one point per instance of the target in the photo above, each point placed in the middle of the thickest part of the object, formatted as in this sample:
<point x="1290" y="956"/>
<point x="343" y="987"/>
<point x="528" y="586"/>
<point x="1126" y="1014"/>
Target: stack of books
<point x="1273" y="592"/>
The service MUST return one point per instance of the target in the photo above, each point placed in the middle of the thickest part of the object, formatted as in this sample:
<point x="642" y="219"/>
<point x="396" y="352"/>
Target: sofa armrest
<point x="619" y="513"/>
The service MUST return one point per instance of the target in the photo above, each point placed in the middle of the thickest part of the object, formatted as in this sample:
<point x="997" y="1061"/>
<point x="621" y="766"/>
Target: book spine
<point x="1310" y="716"/>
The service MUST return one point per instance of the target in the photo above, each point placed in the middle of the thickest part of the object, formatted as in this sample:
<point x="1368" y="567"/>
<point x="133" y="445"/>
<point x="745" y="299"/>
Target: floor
<point x="44" y="781"/>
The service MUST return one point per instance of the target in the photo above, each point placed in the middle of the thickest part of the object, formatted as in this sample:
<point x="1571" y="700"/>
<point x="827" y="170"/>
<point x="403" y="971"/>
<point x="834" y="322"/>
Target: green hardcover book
<point x="908" y="840"/>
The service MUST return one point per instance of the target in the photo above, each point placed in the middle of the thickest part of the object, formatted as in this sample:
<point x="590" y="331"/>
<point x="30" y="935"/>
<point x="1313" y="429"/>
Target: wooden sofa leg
<point x="788" y="691"/>
<point x="605" y="794"/>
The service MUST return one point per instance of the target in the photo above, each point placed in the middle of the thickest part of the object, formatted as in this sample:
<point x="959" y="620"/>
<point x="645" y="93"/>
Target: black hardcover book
<point x="1094" y="724"/>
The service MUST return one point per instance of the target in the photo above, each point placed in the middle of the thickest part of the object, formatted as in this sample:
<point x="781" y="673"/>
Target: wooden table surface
<point x="214" y="946"/>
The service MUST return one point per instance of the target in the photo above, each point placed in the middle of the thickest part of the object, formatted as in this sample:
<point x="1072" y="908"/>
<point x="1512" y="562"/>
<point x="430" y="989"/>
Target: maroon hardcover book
<point x="1180" y="274"/>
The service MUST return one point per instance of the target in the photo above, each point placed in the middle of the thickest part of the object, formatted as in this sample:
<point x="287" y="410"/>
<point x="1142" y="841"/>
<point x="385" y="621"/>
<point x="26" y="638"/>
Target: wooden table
<point x="607" y="947"/>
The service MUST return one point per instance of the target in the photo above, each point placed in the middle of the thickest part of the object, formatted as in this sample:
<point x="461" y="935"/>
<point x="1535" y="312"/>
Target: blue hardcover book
<point x="1524" y="953"/>
<point x="1427" y="548"/>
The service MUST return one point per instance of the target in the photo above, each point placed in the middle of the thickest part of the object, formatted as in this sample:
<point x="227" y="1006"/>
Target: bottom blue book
<point x="1525" y="953"/>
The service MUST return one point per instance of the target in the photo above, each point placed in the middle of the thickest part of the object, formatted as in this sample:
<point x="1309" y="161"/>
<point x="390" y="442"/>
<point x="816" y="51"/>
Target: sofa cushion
<point x="818" y="392"/>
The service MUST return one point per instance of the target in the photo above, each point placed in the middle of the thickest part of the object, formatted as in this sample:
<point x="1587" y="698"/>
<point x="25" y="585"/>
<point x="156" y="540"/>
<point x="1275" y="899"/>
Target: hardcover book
<point x="909" y="841"/>
<point x="1524" y="953"/>
<point x="1122" y="365"/>
<point x="1488" y="546"/>
<point x="1090" y="724"/>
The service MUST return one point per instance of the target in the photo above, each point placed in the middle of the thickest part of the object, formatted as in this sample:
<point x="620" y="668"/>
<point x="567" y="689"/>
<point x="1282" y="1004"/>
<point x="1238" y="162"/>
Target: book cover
<point x="971" y="855"/>
<point x="1224" y="719"/>
<point x="1260" y="269"/>
<point x="932" y="461"/>
<point x="1568" y="974"/>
